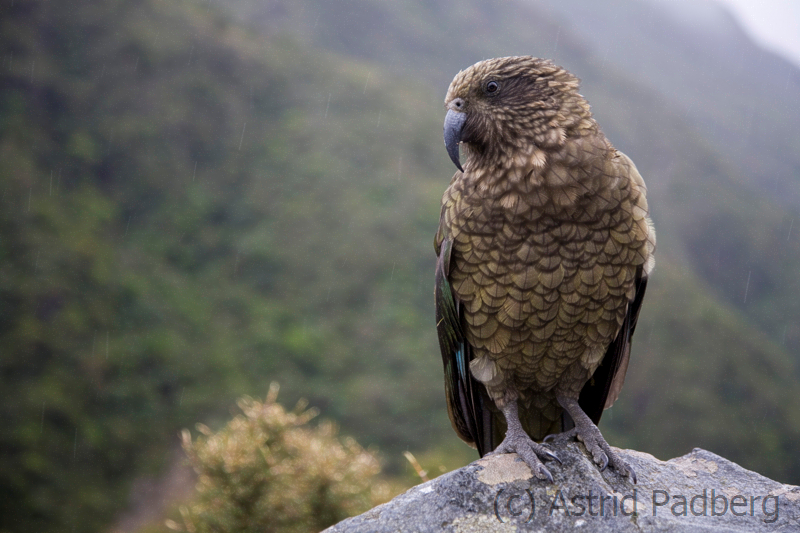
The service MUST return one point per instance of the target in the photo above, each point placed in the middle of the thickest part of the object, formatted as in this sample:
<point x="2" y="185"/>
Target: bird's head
<point x="504" y="109"/>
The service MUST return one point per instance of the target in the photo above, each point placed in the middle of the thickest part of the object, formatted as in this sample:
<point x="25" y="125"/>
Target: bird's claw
<point x="561" y="437"/>
<point x="605" y="463"/>
<point x="601" y="452"/>
<point x="554" y="457"/>
<point x="546" y="473"/>
<point x="529" y="452"/>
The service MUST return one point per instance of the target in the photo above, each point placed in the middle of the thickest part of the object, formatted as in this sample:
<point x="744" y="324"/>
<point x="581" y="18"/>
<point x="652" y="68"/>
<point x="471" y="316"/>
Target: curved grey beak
<point x="453" y="124"/>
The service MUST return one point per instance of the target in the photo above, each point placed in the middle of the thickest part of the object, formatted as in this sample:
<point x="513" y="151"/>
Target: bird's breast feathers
<point x="545" y="265"/>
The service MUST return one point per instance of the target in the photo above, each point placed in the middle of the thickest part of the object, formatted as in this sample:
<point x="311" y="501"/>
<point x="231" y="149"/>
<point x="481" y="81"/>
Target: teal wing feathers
<point x="466" y="401"/>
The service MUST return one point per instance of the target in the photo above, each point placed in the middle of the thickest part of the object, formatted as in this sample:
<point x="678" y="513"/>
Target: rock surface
<point x="697" y="492"/>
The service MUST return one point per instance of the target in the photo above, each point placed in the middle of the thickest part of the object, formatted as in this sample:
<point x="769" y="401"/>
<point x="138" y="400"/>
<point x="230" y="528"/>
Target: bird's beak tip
<point x="455" y="157"/>
<point x="453" y="126"/>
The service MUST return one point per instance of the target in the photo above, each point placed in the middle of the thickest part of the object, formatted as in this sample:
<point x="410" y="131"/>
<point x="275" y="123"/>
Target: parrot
<point x="544" y="249"/>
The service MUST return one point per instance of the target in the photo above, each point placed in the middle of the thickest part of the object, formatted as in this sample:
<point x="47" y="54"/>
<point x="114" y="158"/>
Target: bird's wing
<point x="466" y="404"/>
<point x="602" y="390"/>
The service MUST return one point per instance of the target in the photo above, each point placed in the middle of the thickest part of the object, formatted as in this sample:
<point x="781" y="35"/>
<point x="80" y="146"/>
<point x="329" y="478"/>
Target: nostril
<point x="458" y="103"/>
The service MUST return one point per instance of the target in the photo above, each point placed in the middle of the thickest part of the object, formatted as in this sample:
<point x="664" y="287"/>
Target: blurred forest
<point x="198" y="197"/>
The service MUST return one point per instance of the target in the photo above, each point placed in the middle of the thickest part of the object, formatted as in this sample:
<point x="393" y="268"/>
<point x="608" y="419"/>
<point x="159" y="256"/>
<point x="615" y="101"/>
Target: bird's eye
<point x="492" y="87"/>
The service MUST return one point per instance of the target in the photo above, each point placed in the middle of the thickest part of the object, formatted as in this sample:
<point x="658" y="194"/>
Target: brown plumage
<point x="544" y="248"/>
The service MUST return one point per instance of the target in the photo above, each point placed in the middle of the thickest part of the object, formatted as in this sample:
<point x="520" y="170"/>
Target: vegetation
<point x="198" y="199"/>
<point x="267" y="470"/>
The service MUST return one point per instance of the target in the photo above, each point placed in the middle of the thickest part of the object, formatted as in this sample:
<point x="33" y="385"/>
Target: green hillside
<point x="198" y="199"/>
<point x="186" y="217"/>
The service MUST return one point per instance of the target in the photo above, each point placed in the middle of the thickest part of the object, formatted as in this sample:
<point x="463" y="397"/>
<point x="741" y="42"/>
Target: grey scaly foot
<point x="559" y="438"/>
<point x="587" y="432"/>
<point x="517" y="441"/>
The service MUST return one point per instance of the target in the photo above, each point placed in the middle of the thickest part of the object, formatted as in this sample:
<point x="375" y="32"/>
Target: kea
<point x="544" y="249"/>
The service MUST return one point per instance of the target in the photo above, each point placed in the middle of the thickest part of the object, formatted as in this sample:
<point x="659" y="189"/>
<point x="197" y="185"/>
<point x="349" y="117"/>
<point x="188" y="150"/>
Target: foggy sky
<point x="774" y="24"/>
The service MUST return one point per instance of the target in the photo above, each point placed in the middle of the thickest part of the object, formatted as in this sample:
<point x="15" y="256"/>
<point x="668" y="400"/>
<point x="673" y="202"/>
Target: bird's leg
<point x="588" y="433"/>
<point x="517" y="441"/>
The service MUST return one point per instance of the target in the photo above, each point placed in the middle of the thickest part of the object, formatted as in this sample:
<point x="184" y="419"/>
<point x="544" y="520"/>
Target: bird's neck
<point x="501" y="167"/>
<point x="553" y="174"/>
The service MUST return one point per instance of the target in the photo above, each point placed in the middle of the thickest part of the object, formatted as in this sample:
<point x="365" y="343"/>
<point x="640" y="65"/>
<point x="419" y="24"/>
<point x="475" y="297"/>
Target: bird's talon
<point x="547" y="474"/>
<point x="561" y="437"/>
<point x="554" y="457"/>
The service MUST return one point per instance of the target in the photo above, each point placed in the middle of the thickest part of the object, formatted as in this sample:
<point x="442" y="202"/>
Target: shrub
<point x="269" y="470"/>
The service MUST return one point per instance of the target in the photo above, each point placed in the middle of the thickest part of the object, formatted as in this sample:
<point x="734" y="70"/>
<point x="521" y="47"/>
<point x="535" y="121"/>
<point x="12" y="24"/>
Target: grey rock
<point x="700" y="492"/>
